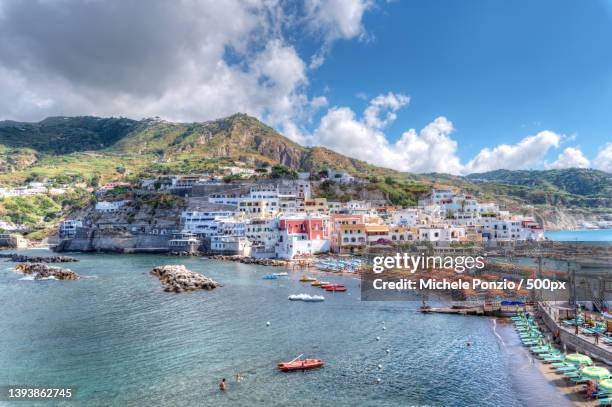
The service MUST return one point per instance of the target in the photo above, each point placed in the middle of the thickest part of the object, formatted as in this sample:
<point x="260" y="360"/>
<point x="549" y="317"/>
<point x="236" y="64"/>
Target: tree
<point x="282" y="171"/>
<point x="94" y="182"/>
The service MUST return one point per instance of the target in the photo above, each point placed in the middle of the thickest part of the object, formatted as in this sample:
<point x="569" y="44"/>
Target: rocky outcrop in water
<point x="22" y="258"/>
<point x="251" y="260"/>
<point x="177" y="278"/>
<point x="41" y="270"/>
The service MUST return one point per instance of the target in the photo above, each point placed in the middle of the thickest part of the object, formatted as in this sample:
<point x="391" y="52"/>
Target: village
<point x="279" y="218"/>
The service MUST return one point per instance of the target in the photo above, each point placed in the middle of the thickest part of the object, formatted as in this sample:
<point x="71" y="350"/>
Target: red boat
<point x="299" y="364"/>
<point x="337" y="287"/>
<point x="326" y="286"/>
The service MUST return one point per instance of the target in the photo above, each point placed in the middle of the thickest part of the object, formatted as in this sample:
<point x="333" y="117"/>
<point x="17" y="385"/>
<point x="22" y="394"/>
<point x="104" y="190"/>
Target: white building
<point x="109" y="207"/>
<point x="230" y="245"/>
<point x="204" y="222"/>
<point x="442" y="233"/>
<point x="341" y="177"/>
<point x="68" y="228"/>
<point x="406" y="217"/>
<point x="295" y="245"/>
<point x="263" y="233"/>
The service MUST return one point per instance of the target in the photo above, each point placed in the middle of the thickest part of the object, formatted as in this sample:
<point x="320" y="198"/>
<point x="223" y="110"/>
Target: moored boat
<point x="305" y="279"/>
<point x="270" y="277"/>
<point x="300" y="364"/>
<point x="336" y="287"/>
<point x="283" y="273"/>
<point x="306" y="298"/>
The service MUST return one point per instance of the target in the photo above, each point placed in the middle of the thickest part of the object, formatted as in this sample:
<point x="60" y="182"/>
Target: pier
<point x="487" y="310"/>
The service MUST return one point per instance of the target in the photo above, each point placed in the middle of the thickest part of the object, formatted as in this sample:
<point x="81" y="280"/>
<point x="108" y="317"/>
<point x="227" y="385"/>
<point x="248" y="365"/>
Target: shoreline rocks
<point x="252" y="260"/>
<point x="22" y="258"/>
<point x="177" y="278"/>
<point x="41" y="271"/>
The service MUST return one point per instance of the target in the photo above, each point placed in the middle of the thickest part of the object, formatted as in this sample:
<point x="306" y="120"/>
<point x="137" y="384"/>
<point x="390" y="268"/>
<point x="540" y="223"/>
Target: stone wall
<point x="572" y="341"/>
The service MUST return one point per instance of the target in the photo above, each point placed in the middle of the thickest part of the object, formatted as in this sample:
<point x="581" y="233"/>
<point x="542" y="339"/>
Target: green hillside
<point x="94" y="150"/>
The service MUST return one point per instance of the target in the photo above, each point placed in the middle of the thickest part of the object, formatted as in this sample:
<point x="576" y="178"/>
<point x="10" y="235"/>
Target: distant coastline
<point x="580" y="235"/>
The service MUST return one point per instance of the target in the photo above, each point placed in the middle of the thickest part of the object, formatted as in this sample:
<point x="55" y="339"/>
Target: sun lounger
<point x="572" y="374"/>
<point x="566" y="369"/>
<point x="605" y="402"/>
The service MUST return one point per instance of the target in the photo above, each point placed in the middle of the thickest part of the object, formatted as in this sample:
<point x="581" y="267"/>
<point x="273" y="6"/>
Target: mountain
<point x="579" y="181"/>
<point x="239" y="137"/>
<point x="62" y="135"/>
<point x="87" y="148"/>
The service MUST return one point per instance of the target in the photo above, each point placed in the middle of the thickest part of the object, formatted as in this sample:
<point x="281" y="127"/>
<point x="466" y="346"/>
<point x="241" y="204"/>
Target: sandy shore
<point x="575" y="393"/>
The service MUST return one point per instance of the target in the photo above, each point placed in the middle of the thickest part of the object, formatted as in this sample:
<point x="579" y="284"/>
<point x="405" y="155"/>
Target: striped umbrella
<point x="595" y="372"/>
<point x="579" y="358"/>
<point x="605" y="384"/>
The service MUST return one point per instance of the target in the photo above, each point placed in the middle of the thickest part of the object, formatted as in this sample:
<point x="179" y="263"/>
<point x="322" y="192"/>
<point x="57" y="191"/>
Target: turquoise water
<point x="594" y="235"/>
<point x="122" y="341"/>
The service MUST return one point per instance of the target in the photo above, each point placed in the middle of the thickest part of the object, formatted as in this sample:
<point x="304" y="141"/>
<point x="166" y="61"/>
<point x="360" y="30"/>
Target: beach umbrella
<point x="605" y="384"/>
<point x="579" y="358"/>
<point x="595" y="372"/>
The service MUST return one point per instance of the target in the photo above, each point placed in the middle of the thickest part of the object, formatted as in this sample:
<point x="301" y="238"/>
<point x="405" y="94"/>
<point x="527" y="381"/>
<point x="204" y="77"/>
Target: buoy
<point x="388" y="350"/>
<point x="378" y="380"/>
<point x="380" y="366"/>
<point x="268" y="323"/>
<point x="378" y="338"/>
<point x="384" y="328"/>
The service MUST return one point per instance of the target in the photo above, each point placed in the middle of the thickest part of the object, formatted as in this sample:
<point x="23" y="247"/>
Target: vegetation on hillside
<point x="90" y="151"/>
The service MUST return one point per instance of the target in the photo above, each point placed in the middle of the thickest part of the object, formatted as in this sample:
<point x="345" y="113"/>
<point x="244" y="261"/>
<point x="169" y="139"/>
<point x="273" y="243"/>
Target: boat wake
<point x="32" y="278"/>
<point x="496" y="334"/>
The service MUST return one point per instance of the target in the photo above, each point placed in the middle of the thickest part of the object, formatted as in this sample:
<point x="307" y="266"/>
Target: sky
<point x="454" y="86"/>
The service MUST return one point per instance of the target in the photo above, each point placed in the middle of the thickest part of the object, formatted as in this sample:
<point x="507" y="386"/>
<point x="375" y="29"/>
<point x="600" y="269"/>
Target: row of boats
<point x="333" y="264"/>
<point x="325" y="285"/>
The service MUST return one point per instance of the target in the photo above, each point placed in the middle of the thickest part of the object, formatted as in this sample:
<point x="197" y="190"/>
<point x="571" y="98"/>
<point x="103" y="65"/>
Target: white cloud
<point x="187" y="61"/>
<point x="337" y="18"/>
<point x="388" y="104"/>
<point x="571" y="157"/>
<point x="431" y="149"/>
<point x="334" y="20"/>
<point x="603" y="159"/>
<point x="527" y="153"/>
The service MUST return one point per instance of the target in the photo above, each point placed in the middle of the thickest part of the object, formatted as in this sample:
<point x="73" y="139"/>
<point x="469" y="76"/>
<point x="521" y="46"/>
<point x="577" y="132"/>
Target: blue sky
<point x="499" y="70"/>
<point x="454" y="86"/>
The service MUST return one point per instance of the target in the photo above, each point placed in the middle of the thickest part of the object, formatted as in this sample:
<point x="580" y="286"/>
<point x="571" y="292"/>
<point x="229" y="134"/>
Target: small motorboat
<point x="337" y="287"/>
<point x="283" y="273"/>
<point x="326" y="286"/>
<point x="305" y="279"/>
<point x="316" y="283"/>
<point x="270" y="277"/>
<point x="300" y="364"/>
<point x="306" y="298"/>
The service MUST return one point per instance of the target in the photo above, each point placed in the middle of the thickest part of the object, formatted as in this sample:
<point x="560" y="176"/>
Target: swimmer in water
<point x="238" y="377"/>
<point x="223" y="385"/>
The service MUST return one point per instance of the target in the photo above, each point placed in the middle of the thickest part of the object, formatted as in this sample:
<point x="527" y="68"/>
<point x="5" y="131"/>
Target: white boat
<point x="306" y="298"/>
<point x="284" y="273"/>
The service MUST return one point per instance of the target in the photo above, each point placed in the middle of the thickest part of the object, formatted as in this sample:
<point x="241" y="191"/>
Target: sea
<point x="587" y="235"/>
<point x="117" y="339"/>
